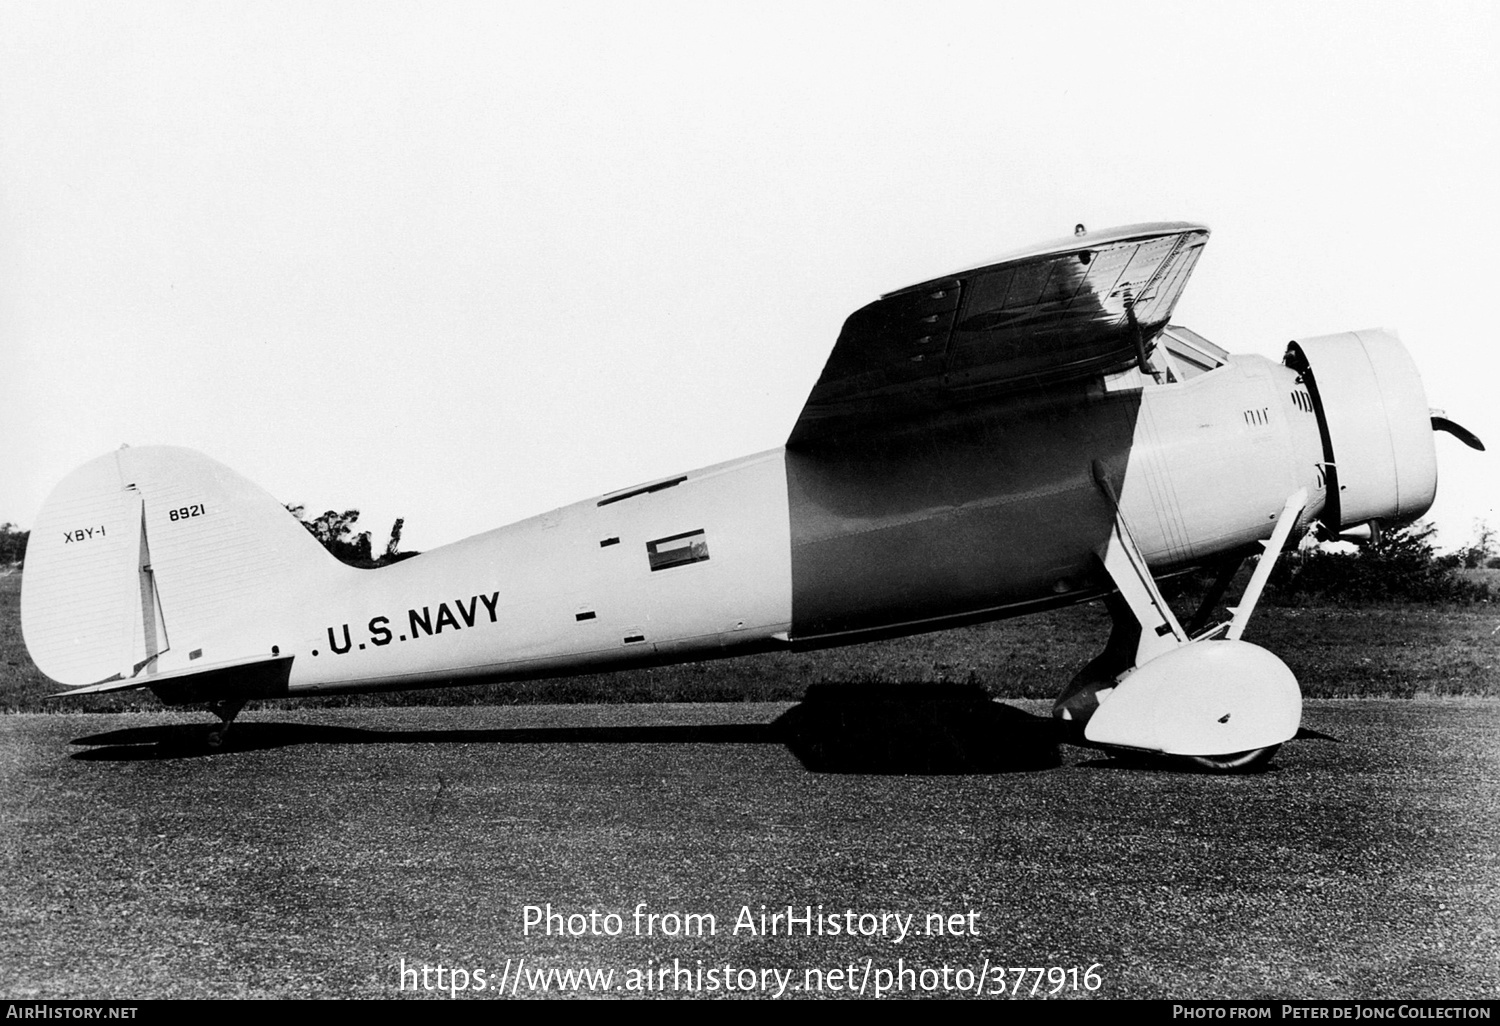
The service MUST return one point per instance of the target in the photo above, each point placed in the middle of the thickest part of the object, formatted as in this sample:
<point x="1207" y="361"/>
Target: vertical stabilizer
<point x="154" y="560"/>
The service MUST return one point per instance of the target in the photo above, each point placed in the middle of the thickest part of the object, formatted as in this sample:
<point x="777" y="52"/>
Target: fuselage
<point x="957" y="516"/>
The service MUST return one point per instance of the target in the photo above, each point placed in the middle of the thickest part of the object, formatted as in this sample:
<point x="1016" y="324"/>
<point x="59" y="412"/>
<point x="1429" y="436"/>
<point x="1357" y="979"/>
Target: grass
<point x="1335" y="651"/>
<point x="1488" y="576"/>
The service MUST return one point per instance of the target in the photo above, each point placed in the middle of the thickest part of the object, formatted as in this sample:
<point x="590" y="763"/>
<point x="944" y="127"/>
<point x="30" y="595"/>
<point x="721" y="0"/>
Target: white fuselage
<point x="571" y="589"/>
<point x="782" y="547"/>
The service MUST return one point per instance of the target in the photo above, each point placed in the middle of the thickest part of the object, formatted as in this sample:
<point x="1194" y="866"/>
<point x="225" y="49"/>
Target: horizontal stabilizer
<point x="115" y="683"/>
<point x="259" y="676"/>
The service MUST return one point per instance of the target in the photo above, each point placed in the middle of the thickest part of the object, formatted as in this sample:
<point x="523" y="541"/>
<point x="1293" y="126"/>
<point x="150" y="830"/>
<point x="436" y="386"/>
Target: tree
<point x="1401" y="566"/>
<point x="1483" y="551"/>
<point x="335" y="532"/>
<point x="12" y="544"/>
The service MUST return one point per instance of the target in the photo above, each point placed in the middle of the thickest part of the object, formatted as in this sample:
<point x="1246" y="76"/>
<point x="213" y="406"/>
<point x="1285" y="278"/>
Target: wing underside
<point x="1088" y="305"/>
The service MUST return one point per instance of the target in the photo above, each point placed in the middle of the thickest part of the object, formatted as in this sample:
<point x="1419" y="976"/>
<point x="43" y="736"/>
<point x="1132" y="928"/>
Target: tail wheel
<point x="1237" y="762"/>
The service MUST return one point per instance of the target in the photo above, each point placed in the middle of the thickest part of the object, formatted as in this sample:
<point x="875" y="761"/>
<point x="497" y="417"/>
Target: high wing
<point x="1084" y="305"/>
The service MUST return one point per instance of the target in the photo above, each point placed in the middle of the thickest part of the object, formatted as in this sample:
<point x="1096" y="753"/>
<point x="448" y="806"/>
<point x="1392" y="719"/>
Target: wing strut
<point x="1141" y="359"/>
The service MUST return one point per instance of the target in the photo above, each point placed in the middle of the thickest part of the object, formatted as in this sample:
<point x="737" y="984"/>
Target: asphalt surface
<point x="322" y="851"/>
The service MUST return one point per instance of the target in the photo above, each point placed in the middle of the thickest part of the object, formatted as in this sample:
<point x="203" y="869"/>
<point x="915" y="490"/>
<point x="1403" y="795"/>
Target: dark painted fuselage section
<point x="972" y="513"/>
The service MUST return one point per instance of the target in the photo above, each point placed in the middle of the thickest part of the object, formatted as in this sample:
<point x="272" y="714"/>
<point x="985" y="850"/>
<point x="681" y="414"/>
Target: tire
<point x="1236" y="762"/>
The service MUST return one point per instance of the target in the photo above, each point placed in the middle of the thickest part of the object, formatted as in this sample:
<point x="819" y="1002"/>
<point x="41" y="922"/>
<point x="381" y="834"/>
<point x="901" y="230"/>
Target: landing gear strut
<point x="1094" y="682"/>
<point x="226" y="709"/>
<point x="1217" y="702"/>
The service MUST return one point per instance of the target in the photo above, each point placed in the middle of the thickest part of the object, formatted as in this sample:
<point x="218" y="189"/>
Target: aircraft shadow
<point x="951" y="728"/>
<point x="927" y="730"/>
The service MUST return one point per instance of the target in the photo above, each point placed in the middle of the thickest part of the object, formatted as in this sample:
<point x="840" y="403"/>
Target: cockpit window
<point x="1190" y="352"/>
<point x="1174" y="356"/>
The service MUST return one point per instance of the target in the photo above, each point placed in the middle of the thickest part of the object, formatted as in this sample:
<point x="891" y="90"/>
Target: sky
<point x="463" y="263"/>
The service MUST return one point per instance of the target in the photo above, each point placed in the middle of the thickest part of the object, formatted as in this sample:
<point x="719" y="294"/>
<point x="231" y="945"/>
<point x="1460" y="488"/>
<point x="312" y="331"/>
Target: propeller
<point x="1440" y="422"/>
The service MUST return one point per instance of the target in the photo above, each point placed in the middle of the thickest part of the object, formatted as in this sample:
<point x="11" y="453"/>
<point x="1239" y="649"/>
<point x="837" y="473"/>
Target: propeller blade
<point x="1458" y="431"/>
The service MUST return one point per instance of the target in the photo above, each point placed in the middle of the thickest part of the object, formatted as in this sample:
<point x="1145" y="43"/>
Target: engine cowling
<point x="1375" y="424"/>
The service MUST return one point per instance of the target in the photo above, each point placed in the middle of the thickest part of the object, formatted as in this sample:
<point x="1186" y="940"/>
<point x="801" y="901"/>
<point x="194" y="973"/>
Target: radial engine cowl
<point x="1376" y="426"/>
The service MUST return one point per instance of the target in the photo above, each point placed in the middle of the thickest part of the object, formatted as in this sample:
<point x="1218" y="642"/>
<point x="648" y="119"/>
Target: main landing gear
<point x="1218" y="703"/>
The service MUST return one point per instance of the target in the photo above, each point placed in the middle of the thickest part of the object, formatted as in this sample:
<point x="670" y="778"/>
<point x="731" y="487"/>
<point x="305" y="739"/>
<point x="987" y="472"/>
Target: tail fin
<point x="158" y="560"/>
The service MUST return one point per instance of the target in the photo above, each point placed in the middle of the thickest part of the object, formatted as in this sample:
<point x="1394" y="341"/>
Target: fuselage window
<point x="677" y="550"/>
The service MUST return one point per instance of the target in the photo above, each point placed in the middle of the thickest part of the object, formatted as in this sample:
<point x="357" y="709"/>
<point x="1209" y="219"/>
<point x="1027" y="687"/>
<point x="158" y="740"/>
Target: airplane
<point x="1016" y="437"/>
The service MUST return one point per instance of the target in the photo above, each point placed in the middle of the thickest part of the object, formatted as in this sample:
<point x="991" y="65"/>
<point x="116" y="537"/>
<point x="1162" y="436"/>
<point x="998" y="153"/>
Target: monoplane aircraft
<point x="1024" y="435"/>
